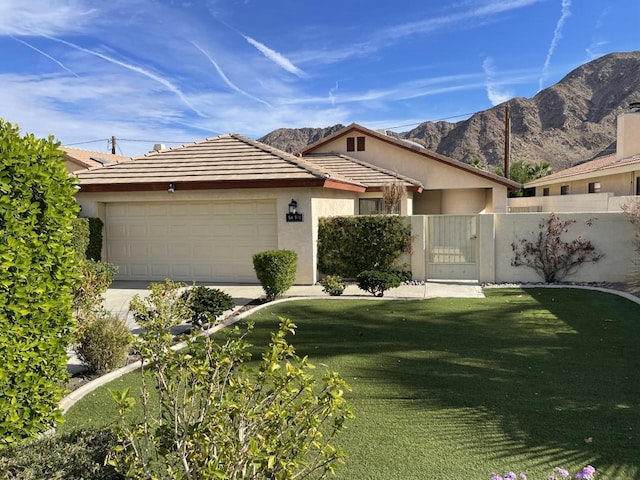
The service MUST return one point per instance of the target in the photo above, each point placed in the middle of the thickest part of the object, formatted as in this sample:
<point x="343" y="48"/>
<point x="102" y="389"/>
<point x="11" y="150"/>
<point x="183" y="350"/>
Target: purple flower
<point x="495" y="476"/>
<point x="522" y="476"/>
<point x="510" y="476"/>
<point x="561" y="471"/>
<point x="586" y="473"/>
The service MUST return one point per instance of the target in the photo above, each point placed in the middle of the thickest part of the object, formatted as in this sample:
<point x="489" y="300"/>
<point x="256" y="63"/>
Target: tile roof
<point x="230" y="161"/>
<point x="416" y="148"/>
<point x="89" y="158"/>
<point x="602" y="164"/>
<point x="365" y="173"/>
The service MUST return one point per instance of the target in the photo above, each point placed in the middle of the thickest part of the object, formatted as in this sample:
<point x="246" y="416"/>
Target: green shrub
<point x="333" y="285"/>
<point x="38" y="270"/>
<point x="221" y="417"/>
<point x="94" y="249"/>
<point x="377" y="282"/>
<point x="78" y="455"/>
<point x="104" y="344"/>
<point x="276" y="271"/>
<point x="88" y="292"/>
<point x="206" y="305"/>
<point x="350" y="245"/>
<point x="80" y="237"/>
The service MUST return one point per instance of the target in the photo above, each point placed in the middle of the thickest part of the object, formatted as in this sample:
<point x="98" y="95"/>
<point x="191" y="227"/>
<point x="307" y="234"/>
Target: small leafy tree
<point x="37" y="272"/>
<point x="206" y="305"/>
<point x="549" y="255"/>
<point x="218" y="418"/>
<point x="377" y="282"/>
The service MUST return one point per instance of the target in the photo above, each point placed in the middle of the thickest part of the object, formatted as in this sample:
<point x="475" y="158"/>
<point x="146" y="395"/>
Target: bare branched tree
<point x="393" y="193"/>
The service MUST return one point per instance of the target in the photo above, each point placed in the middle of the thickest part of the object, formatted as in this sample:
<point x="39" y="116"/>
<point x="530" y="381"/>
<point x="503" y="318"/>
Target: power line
<point x="150" y="141"/>
<point x="433" y="121"/>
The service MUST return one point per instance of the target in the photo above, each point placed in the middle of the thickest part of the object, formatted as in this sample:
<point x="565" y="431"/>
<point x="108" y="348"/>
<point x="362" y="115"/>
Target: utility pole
<point x="113" y="144"/>
<point x="507" y="140"/>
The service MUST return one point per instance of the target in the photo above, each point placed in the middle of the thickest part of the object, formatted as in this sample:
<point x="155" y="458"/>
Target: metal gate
<point x="452" y="247"/>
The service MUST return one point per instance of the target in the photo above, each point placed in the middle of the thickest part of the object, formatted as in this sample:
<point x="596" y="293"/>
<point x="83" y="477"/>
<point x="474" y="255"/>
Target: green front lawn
<point x="523" y="380"/>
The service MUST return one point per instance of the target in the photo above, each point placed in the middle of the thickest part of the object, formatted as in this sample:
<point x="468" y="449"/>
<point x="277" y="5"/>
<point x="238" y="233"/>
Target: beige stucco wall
<point x="434" y="175"/>
<point x="610" y="233"/>
<point x="591" y="202"/>
<point x="620" y="183"/>
<point x="297" y="236"/>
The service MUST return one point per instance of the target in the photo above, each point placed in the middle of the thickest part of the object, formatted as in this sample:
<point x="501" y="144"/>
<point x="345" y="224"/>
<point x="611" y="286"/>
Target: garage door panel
<point x="159" y="271"/>
<point x="203" y="241"/>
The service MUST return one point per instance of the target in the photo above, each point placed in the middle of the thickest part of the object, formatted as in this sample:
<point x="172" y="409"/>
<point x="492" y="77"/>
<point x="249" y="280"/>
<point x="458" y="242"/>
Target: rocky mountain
<point x="569" y="122"/>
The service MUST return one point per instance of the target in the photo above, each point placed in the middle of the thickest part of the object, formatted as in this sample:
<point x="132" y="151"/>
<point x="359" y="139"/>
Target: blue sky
<point x="178" y="71"/>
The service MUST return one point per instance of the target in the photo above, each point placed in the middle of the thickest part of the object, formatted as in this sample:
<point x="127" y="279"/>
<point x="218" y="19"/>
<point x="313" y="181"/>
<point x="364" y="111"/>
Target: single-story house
<point x="450" y="186"/>
<point x="198" y="212"/>
<point x="77" y="159"/>
<point x="617" y="173"/>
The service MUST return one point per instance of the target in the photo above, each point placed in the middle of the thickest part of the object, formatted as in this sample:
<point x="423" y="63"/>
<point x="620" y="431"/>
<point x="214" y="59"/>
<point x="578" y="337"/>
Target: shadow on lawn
<point x="560" y="378"/>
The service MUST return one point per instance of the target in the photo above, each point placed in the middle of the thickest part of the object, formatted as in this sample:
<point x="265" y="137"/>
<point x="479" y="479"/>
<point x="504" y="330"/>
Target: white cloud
<point x="557" y="35"/>
<point x="226" y="80"/>
<point x="134" y="68"/>
<point x="275" y="57"/>
<point x="58" y="62"/>
<point x="496" y="91"/>
<point x="44" y="17"/>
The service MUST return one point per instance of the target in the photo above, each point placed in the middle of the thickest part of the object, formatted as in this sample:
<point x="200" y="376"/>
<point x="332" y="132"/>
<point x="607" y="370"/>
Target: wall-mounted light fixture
<point x="172" y="188"/>
<point x="293" y="215"/>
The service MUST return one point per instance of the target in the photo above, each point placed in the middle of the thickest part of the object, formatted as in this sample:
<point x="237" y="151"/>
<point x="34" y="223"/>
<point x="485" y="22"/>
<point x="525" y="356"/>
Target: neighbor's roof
<point x="605" y="165"/>
<point x="89" y="158"/>
<point x="226" y="161"/>
<point x="413" y="147"/>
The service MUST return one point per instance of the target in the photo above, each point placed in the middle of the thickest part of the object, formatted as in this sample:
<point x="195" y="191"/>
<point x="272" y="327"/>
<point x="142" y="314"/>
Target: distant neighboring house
<point x="77" y="159"/>
<point x="200" y="211"/>
<point x="617" y="174"/>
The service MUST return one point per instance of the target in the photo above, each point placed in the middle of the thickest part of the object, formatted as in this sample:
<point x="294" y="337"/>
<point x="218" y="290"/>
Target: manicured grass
<point x="523" y="380"/>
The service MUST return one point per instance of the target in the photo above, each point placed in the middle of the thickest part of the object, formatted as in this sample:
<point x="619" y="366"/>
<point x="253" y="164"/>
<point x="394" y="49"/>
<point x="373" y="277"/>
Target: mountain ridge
<point x="569" y="122"/>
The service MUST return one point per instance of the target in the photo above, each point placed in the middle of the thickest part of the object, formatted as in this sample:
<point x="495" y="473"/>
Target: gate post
<point x="418" y="225"/>
<point x="486" y="248"/>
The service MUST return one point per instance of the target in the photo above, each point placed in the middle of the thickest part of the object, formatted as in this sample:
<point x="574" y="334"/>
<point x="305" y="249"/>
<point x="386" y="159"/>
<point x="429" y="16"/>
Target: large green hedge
<point x="350" y="245"/>
<point x="37" y="272"/>
<point x="87" y="238"/>
<point x="80" y="237"/>
<point x="94" y="249"/>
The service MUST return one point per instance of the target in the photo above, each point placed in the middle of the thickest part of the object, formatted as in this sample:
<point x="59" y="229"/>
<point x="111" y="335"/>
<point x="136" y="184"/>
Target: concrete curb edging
<point x="71" y="399"/>
<point x="74" y="397"/>
<point x="627" y="295"/>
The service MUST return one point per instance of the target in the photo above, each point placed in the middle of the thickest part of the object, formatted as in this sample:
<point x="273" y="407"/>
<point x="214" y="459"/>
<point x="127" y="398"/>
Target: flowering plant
<point x="587" y="473"/>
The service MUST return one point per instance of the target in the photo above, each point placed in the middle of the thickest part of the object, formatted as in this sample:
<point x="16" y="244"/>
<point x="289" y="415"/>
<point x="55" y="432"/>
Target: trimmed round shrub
<point x="104" y="344"/>
<point x="376" y="282"/>
<point x="276" y="271"/>
<point x="206" y="305"/>
<point x="333" y="285"/>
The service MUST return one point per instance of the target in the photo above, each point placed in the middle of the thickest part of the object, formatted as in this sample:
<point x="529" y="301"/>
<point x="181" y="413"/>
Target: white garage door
<point x="205" y="241"/>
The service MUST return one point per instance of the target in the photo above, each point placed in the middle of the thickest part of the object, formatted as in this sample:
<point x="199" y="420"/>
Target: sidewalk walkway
<point x="120" y="293"/>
